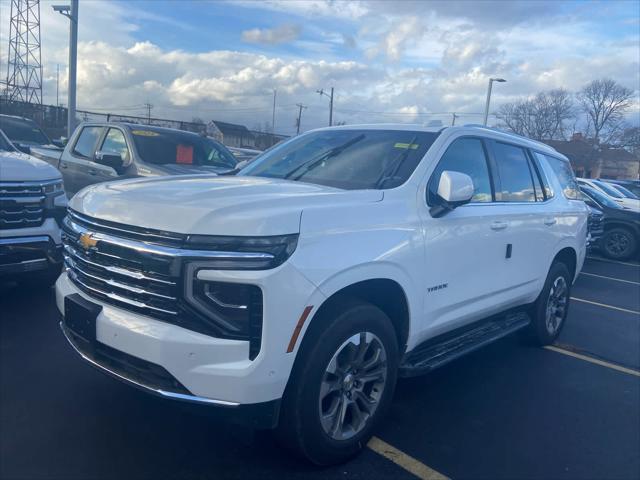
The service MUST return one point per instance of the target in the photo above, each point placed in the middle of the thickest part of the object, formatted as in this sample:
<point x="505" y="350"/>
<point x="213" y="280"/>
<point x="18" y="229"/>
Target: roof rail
<point x="495" y="129"/>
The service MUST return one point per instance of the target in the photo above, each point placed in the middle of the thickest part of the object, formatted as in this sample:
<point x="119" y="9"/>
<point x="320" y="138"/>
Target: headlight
<point x="54" y="188"/>
<point x="245" y="253"/>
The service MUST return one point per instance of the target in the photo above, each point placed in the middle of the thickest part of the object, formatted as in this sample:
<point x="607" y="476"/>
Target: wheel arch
<point x="569" y="256"/>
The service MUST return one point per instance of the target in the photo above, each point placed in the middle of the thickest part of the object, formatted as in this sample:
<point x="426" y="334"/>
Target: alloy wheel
<point x="352" y="386"/>
<point x="556" y="305"/>
<point x="617" y="244"/>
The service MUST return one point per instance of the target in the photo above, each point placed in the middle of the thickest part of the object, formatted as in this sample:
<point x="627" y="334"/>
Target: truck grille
<point x="21" y="205"/>
<point x="109" y="261"/>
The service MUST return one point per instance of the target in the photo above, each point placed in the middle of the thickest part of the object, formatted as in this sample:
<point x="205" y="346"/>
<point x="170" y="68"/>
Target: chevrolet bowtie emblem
<point x="87" y="241"/>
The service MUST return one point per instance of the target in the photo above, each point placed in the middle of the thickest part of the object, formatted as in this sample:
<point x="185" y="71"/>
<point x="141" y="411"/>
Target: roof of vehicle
<point x="15" y="117"/>
<point x="469" y="128"/>
<point x="138" y="126"/>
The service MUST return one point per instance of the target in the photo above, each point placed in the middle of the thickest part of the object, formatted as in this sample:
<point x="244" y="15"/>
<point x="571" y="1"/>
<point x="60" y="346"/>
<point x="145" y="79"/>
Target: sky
<point x="388" y="61"/>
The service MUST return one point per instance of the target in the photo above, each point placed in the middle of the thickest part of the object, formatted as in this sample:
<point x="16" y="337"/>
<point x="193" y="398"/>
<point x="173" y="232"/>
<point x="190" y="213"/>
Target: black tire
<point x="41" y="280"/>
<point x="300" y="428"/>
<point x="619" y="243"/>
<point x="539" y="331"/>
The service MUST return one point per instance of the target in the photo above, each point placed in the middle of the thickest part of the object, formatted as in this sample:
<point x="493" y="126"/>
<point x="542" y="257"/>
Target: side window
<point x="465" y="155"/>
<point x="548" y="191"/>
<point x="516" y="181"/>
<point x="87" y="141"/>
<point x="537" y="185"/>
<point x="115" y="143"/>
<point x="565" y="176"/>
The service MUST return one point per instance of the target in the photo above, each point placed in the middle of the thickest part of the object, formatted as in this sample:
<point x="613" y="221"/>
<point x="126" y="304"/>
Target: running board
<point x="441" y="350"/>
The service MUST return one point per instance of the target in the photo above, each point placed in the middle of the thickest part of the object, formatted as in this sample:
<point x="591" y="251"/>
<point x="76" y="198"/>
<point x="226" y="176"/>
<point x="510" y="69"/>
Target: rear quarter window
<point x="565" y="176"/>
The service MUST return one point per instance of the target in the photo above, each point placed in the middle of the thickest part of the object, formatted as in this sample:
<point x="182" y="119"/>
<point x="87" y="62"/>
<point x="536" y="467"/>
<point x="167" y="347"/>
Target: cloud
<point x="281" y="34"/>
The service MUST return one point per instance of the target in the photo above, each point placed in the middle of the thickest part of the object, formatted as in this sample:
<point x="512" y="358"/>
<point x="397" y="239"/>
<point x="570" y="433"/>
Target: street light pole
<point x="486" y="108"/>
<point x="71" y="12"/>
<point x="322" y="92"/>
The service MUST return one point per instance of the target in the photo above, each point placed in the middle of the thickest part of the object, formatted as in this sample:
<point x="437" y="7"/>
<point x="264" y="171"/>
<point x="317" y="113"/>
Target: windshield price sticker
<point x="145" y="133"/>
<point x="412" y="146"/>
<point x="184" y="154"/>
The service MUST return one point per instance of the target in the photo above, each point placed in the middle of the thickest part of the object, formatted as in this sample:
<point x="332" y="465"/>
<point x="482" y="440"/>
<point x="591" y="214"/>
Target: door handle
<point x="499" y="225"/>
<point x="92" y="171"/>
<point x="550" y="221"/>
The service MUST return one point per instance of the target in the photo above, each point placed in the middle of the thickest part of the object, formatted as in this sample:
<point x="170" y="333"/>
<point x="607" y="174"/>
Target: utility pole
<point x="330" y="96"/>
<point x="71" y="12"/>
<point x="57" y="84"/>
<point x="148" y="106"/>
<point x="273" y="115"/>
<point x="453" y="120"/>
<point x="300" y="108"/>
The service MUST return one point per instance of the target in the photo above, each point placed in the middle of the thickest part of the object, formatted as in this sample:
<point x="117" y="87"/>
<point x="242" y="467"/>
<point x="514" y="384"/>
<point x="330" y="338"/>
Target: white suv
<point x="294" y="294"/>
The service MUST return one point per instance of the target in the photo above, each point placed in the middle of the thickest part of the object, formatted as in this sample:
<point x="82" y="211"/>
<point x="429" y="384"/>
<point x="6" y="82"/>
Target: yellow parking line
<point x="614" y="261"/>
<point x="586" y="358"/>
<point x="403" y="460"/>
<point x="609" y="278"/>
<point x="605" y="305"/>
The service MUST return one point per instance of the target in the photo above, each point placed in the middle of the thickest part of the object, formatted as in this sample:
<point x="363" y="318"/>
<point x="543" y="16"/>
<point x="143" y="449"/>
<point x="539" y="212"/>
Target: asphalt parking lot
<point x="508" y="411"/>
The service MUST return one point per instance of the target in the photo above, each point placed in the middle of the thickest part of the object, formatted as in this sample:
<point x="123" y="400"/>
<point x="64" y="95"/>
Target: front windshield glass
<point x="608" y="189"/>
<point x="627" y="193"/>
<point x="164" y="147"/>
<point x="600" y="197"/>
<point x="347" y="159"/>
<point x="4" y="145"/>
<point x="18" y="131"/>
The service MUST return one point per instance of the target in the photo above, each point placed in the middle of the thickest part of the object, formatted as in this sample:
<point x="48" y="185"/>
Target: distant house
<point x="231" y="134"/>
<point x="264" y="140"/>
<point x="597" y="161"/>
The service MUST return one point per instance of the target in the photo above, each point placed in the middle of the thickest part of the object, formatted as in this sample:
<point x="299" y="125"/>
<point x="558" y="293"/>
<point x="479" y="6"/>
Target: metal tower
<point x="24" y="65"/>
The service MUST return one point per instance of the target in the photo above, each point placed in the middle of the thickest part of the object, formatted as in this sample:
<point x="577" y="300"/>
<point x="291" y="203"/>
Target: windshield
<point x="599" y="197"/>
<point x="627" y="193"/>
<point x="608" y="189"/>
<point x="347" y="159"/>
<point x="162" y="147"/>
<point x="18" y="130"/>
<point x="4" y="145"/>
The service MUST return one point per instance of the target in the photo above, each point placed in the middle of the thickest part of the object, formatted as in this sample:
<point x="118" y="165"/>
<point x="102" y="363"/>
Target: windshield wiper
<point x="313" y="163"/>
<point x="395" y="165"/>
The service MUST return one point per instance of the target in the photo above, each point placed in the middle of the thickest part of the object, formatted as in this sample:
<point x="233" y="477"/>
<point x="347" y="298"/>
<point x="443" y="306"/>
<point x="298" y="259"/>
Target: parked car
<point x="632" y="185"/>
<point x="32" y="204"/>
<point x="621" y="238"/>
<point x="612" y="193"/>
<point x="293" y="295"/>
<point x="100" y="152"/>
<point x="623" y="190"/>
<point x="24" y="134"/>
<point x="596" y="225"/>
<point x="245" y="155"/>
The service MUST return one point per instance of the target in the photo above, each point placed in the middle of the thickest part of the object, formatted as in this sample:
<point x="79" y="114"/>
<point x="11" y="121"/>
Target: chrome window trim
<point x="163" y="393"/>
<point x="21" y="240"/>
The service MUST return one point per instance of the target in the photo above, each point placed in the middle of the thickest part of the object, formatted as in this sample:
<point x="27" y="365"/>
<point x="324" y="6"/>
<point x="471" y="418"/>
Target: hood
<point x="175" y="169"/>
<point x="212" y="205"/>
<point x="20" y="167"/>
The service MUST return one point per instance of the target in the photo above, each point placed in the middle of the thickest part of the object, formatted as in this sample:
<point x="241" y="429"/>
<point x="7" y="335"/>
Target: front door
<point x="78" y="163"/>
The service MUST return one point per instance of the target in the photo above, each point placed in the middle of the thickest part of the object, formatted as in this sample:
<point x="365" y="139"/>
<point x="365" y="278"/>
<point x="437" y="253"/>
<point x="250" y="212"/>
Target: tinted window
<point x="4" y="145"/>
<point x="87" y="141"/>
<point x="18" y="130"/>
<point x="600" y="197"/>
<point x="516" y="181"/>
<point x="162" y="147"/>
<point x="608" y="189"/>
<point x="115" y="143"/>
<point x="464" y="155"/>
<point x="565" y="176"/>
<point x="348" y="159"/>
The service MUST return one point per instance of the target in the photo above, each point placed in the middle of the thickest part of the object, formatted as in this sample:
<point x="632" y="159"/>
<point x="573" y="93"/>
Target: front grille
<point x="144" y="277"/>
<point x="21" y="205"/>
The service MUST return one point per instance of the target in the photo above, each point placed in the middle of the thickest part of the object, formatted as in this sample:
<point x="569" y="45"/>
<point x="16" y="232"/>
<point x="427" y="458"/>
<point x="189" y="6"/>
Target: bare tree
<point x="629" y="139"/>
<point x="543" y="117"/>
<point x="604" y="102"/>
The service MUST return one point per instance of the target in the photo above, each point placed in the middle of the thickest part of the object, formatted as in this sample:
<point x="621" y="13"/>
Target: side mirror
<point x="113" y="160"/>
<point x="60" y="142"/>
<point x="454" y="189"/>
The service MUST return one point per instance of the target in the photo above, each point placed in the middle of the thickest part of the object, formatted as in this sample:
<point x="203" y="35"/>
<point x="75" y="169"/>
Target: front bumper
<point x="25" y="254"/>
<point x="212" y="371"/>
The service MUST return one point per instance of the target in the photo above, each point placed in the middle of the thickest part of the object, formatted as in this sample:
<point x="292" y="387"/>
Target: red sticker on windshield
<point x="184" y="154"/>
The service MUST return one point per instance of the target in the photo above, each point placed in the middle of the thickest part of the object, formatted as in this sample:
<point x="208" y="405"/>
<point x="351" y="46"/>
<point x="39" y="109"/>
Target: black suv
<point x="24" y="133"/>
<point x="621" y="237"/>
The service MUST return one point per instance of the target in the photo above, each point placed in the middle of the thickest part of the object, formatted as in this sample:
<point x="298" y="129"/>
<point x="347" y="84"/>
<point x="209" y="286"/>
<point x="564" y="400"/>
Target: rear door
<point x="76" y="165"/>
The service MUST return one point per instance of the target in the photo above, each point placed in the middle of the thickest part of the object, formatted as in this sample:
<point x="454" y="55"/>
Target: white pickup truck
<point x="32" y="204"/>
<point x="293" y="295"/>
